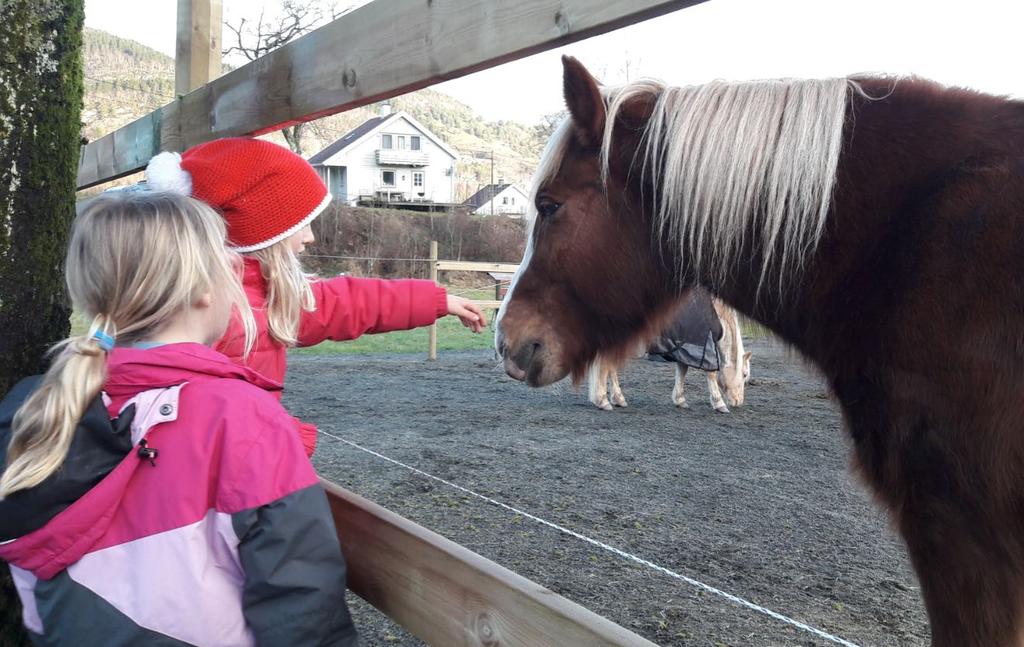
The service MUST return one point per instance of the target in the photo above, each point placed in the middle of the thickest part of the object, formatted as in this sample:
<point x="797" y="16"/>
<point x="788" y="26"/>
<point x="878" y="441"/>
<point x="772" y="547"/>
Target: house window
<point x="504" y="200"/>
<point x="387" y="178"/>
<point x="414" y="142"/>
<point x="417" y="180"/>
<point x="401" y="142"/>
<point x="513" y="198"/>
<point x="385" y="142"/>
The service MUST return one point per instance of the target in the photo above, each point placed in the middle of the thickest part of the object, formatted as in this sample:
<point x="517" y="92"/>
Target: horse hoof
<point x="722" y="409"/>
<point x="605" y="406"/>
<point x="682" y="405"/>
<point x="620" y="402"/>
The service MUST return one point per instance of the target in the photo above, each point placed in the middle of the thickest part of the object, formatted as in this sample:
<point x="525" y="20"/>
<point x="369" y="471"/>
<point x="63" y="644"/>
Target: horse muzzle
<point x="527" y="362"/>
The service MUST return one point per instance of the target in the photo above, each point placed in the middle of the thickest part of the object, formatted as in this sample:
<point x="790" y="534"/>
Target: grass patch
<point x="753" y="330"/>
<point x="451" y="335"/>
<point x="79" y="326"/>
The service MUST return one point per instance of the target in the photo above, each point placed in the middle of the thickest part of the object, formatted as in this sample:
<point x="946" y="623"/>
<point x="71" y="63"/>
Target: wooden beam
<point x="380" y="50"/>
<point x="197" y="58"/>
<point x="475" y="266"/>
<point x="448" y="595"/>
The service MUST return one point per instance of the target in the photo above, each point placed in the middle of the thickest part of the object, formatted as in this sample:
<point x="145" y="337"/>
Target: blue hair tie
<point x="106" y="342"/>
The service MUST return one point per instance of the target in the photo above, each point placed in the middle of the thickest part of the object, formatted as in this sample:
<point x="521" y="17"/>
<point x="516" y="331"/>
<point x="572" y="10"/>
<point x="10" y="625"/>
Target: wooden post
<point x="432" y="352"/>
<point x="197" y="54"/>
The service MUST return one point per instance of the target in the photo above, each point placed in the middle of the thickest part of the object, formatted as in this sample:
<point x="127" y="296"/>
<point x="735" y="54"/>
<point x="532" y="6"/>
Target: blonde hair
<point x="288" y="291"/>
<point x="134" y="261"/>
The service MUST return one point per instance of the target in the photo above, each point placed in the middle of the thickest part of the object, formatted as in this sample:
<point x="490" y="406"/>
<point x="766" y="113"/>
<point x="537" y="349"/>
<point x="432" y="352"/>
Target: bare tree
<point x="255" y="38"/>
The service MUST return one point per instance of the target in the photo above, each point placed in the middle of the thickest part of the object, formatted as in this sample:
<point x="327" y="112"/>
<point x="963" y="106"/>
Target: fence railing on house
<point x="437" y="590"/>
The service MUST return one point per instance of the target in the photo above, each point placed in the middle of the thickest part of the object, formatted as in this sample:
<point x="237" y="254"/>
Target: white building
<point x="499" y="199"/>
<point x="391" y="157"/>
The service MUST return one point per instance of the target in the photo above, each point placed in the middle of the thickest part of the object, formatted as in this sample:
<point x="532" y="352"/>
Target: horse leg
<point x="715" y="393"/>
<point x="970" y="589"/>
<point x="956" y="498"/>
<point x="618" y="399"/>
<point x="598" y="382"/>
<point x="678" y="397"/>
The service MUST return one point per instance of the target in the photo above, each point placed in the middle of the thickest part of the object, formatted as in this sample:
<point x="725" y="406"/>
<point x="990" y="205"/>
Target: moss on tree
<point x="40" y="106"/>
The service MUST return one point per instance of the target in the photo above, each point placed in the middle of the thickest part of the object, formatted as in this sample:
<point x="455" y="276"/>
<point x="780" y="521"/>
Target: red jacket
<point x="346" y="308"/>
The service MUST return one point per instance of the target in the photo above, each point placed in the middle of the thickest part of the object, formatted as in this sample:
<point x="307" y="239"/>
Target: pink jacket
<point x="223" y="538"/>
<point x="346" y="308"/>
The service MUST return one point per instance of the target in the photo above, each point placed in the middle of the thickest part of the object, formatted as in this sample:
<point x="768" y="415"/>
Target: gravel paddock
<point x="759" y="503"/>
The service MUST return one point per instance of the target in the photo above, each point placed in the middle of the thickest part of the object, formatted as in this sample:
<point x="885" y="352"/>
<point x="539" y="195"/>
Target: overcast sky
<point x="974" y="43"/>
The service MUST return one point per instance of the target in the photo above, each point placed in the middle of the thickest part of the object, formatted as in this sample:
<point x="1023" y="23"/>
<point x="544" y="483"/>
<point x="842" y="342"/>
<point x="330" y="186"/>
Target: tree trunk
<point x="40" y="106"/>
<point x="293" y="137"/>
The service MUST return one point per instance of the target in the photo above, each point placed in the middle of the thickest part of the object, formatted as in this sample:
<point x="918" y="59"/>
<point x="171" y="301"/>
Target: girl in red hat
<point x="268" y="197"/>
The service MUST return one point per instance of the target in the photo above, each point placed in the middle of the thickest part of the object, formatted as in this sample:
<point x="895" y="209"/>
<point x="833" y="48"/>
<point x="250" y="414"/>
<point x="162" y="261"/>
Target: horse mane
<point x="722" y="154"/>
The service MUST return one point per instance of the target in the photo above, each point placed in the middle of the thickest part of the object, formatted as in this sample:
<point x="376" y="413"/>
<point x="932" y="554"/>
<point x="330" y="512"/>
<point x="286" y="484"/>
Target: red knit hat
<point x="265" y="192"/>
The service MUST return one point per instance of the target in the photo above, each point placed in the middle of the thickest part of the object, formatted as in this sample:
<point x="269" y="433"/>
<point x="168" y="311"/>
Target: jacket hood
<point x="131" y="370"/>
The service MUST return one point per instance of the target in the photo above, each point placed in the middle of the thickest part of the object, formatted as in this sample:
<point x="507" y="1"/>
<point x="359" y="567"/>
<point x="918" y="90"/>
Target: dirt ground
<point x="759" y="502"/>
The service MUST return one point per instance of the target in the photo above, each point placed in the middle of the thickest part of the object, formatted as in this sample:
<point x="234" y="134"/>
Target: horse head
<point x="592" y="275"/>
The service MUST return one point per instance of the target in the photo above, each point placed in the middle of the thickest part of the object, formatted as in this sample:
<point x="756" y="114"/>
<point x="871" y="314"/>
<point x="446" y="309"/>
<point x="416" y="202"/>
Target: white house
<point x="390" y="157"/>
<point x="499" y="199"/>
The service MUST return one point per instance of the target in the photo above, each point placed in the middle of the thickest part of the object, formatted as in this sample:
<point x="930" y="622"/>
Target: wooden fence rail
<point x="448" y="595"/>
<point x="378" y="51"/>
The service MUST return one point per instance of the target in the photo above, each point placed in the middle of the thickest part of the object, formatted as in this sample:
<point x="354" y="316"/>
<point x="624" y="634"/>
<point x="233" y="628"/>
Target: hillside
<point x="124" y="80"/>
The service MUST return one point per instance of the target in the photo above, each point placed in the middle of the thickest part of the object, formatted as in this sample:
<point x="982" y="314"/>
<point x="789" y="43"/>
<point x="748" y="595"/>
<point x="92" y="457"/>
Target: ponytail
<point x="288" y="291"/>
<point x="45" y="424"/>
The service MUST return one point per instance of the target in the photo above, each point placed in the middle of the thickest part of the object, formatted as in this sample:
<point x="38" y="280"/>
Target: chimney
<point x="385" y="109"/>
<point x="501" y="181"/>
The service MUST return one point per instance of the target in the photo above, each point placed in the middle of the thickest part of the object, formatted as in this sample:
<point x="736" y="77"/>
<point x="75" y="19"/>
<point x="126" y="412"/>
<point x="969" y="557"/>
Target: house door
<point x="419" y="190"/>
<point x="336" y="183"/>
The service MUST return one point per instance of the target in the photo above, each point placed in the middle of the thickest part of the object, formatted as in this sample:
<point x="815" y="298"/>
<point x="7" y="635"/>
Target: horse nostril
<point x="524" y="358"/>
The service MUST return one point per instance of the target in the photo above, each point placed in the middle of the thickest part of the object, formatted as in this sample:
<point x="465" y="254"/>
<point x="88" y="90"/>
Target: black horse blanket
<point x="693" y="337"/>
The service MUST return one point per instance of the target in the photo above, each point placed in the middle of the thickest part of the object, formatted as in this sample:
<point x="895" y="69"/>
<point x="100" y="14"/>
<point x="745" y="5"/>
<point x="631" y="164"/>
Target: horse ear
<point x="583" y="98"/>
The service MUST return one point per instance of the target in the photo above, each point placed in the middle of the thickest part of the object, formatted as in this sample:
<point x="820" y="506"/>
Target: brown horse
<point x="877" y="225"/>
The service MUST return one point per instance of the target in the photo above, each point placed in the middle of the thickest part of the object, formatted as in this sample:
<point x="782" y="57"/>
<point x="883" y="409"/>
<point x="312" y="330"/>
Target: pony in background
<point x="874" y="224"/>
<point x="704" y="334"/>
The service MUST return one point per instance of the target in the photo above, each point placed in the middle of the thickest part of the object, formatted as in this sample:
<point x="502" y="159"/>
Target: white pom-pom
<point x="164" y="173"/>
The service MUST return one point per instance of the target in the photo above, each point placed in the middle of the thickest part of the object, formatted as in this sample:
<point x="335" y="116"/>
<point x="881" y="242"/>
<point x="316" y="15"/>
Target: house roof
<point x="349" y="138"/>
<point x="362" y="131"/>
<point x="486" y="194"/>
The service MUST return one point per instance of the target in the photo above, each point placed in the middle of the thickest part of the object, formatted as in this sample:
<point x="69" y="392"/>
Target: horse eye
<point x="547" y="208"/>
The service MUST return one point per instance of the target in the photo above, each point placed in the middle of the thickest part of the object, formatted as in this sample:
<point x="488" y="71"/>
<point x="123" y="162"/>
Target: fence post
<point x="432" y="351"/>
<point x="197" y="58"/>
